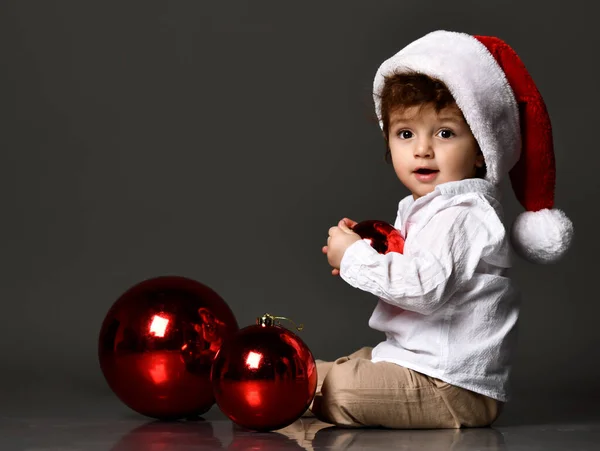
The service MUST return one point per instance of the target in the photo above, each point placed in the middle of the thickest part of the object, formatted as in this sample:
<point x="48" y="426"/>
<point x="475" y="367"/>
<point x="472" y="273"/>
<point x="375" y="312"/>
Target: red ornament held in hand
<point x="157" y="345"/>
<point x="383" y="237"/>
<point x="264" y="377"/>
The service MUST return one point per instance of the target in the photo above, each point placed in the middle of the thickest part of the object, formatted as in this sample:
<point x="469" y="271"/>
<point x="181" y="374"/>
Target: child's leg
<point x="323" y="368"/>
<point x="359" y="393"/>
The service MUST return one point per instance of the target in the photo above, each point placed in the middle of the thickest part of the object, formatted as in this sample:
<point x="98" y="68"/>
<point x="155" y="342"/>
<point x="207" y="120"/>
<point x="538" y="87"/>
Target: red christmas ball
<point x="265" y="377"/>
<point x="383" y="237"/>
<point x="157" y="344"/>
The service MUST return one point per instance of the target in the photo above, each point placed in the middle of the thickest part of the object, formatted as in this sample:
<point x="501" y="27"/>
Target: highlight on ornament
<point x="382" y="236"/>
<point x="157" y="344"/>
<point x="264" y="377"/>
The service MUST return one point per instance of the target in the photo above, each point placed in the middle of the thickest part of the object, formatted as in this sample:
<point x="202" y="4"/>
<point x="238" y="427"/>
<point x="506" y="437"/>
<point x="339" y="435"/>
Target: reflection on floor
<point x="71" y="422"/>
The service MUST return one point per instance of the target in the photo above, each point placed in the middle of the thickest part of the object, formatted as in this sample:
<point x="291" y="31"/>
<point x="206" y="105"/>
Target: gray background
<point x="221" y="140"/>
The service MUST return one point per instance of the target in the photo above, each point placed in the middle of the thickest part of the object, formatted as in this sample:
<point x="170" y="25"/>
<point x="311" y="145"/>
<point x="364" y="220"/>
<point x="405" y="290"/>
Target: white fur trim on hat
<point x="542" y="236"/>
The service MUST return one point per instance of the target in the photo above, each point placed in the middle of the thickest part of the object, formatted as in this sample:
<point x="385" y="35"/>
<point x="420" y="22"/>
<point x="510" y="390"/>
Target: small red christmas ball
<point x="383" y="237"/>
<point x="157" y="344"/>
<point x="265" y="377"/>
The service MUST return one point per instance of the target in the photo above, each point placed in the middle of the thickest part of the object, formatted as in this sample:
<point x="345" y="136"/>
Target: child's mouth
<point x="425" y="175"/>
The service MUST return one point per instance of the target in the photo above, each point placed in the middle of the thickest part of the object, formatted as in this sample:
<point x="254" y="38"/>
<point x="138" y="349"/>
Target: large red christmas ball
<point x="264" y="377"/>
<point x="383" y="237"/>
<point x="158" y="342"/>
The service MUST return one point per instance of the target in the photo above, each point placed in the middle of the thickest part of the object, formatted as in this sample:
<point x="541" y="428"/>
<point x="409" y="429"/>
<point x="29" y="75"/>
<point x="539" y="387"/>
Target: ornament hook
<point x="269" y="320"/>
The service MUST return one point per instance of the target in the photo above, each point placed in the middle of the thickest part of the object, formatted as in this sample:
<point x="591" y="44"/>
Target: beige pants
<point x="355" y="392"/>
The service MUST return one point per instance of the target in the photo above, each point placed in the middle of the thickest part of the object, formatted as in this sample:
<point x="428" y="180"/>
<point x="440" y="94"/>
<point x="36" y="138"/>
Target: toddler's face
<point x="430" y="148"/>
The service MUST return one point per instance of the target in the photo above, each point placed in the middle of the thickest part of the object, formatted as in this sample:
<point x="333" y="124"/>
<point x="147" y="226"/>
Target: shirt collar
<point x="457" y="187"/>
<point x="468" y="186"/>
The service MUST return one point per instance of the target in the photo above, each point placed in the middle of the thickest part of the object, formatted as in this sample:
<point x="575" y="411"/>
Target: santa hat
<point x="509" y="120"/>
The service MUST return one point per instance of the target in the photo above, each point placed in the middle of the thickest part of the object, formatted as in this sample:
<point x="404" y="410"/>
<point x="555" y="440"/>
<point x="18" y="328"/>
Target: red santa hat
<point x="509" y="120"/>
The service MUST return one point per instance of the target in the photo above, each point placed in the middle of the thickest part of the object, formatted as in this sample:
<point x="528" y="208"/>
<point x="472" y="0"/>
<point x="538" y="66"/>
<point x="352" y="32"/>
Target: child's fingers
<point x="349" y="222"/>
<point x="343" y="226"/>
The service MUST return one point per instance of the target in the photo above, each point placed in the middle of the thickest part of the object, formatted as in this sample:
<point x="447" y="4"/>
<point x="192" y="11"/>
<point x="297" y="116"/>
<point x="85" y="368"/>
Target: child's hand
<point x="340" y="238"/>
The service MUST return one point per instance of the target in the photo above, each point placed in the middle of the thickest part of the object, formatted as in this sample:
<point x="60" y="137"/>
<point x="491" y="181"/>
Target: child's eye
<point x="446" y="133"/>
<point x="404" y="134"/>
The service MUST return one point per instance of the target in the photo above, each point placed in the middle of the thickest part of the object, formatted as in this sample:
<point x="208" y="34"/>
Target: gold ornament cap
<point x="270" y="320"/>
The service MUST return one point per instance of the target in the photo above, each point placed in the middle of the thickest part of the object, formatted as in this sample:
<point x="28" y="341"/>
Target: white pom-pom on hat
<point x="542" y="236"/>
<point x="509" y="120"/>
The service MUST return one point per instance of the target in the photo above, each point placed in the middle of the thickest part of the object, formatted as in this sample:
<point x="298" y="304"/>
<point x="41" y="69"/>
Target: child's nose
<point x="424" y="148"/>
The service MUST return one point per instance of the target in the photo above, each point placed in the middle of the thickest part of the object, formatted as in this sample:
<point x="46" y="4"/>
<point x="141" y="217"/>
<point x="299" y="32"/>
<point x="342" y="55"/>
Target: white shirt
<point x="445" y="305"/>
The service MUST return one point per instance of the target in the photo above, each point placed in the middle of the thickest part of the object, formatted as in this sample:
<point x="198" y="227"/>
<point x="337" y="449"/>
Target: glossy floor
<point x="68" y="423"/>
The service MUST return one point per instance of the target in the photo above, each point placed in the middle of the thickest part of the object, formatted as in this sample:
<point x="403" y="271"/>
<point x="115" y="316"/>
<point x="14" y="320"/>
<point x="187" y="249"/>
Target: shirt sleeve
<point x="439" y="258"/>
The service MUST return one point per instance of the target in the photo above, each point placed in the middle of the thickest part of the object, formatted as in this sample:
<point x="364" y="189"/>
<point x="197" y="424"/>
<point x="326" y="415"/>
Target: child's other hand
<point x="340" y="238"/>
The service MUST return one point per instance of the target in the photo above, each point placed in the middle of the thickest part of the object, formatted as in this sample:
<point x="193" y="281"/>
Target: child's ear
<point x="479" y="161"/>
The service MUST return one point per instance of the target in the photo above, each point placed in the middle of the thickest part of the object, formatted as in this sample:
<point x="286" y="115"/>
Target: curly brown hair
<point x="409" y="89"/>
